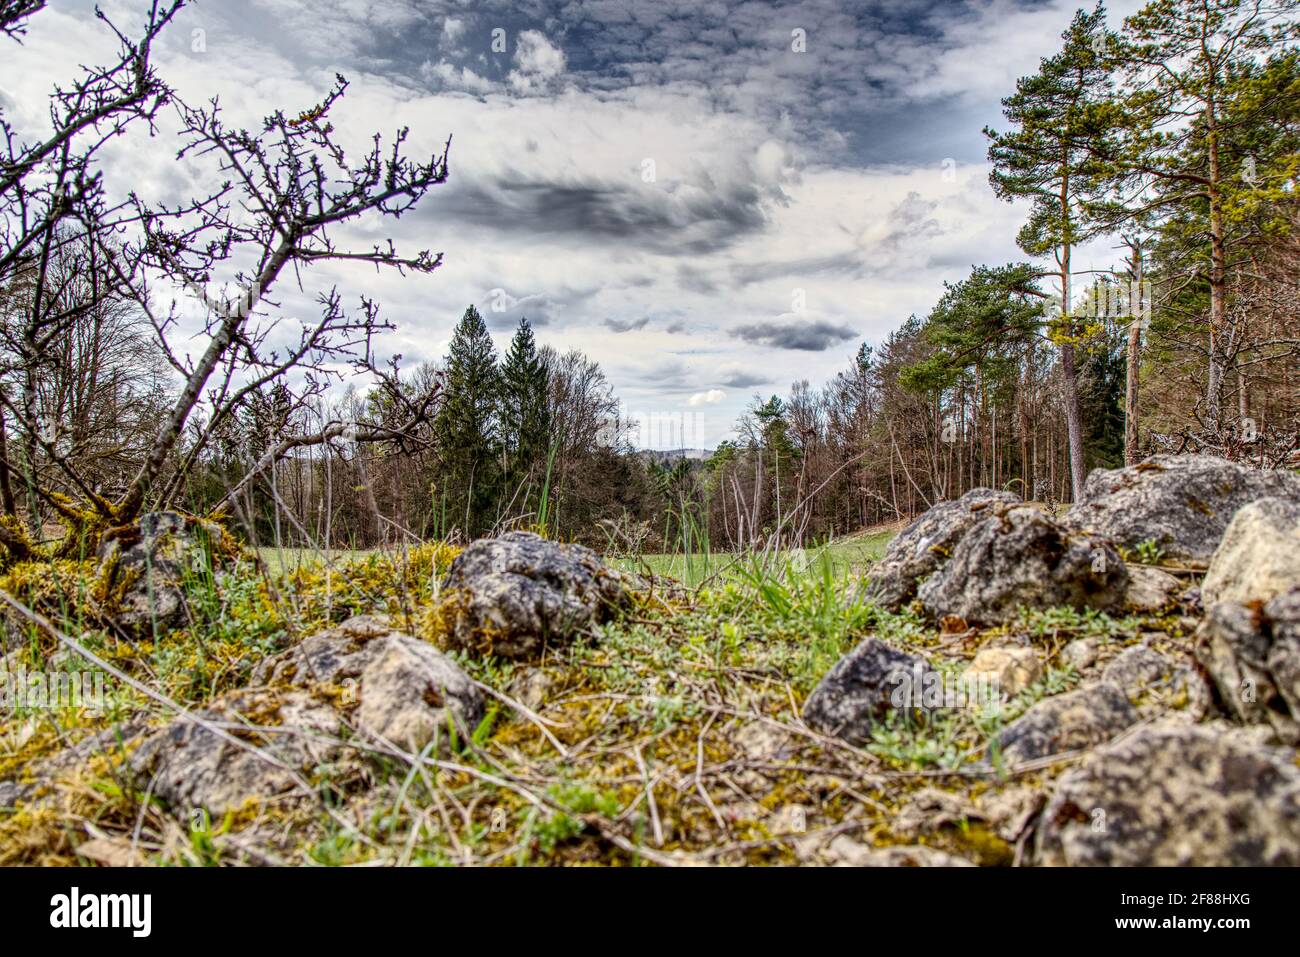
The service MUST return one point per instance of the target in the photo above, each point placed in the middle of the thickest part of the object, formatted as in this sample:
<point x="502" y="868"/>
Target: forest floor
<point x="671" y="735"/>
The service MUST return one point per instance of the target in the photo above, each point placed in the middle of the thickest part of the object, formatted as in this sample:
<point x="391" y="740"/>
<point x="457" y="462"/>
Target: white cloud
<point x="712" y="397"/>
<point x="538" y="62"/>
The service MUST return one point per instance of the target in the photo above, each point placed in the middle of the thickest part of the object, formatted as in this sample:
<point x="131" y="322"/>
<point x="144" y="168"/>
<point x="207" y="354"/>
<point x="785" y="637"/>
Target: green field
<point x="854" y="551"/>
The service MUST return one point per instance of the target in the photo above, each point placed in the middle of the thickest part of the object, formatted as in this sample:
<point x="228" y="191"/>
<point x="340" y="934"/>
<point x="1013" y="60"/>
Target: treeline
<point x="527" y="439"/>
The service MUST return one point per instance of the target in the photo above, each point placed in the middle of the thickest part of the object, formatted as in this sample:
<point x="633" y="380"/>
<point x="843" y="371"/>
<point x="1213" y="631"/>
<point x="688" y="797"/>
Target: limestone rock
<point x="1253" y="656"/>
<point x="863" y="686"/>
<point x="927" y="543"/>
<point x="513" y="595"/>
<point x="405" y="690"/>
<point x="1259" y="556"/>
<point x="1136" y="669"/>
<point x="143" y="565"/>
<point x="1022" y="558"/>
<point x="1080" y="653"/>
<point x="191" y="766"/>
<point x="1175" y="795"/>
<point x="1150" y="590"/>
<point x="412" y="693"/>
<point x="1011" y="669"/>
<point x="1067" y="722"/>
<point x="1181" y="502"/>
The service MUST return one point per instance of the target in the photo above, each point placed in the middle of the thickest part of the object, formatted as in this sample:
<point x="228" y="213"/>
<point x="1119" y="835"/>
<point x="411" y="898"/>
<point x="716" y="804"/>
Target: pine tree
<point x="1044" y="158"/>
<point x="1197" y="141"/>
<point x="525" y="417"/>
<point x="466" y="430"/>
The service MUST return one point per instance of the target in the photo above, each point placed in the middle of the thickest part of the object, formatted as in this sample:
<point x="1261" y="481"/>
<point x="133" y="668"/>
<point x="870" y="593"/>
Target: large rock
<point x="1175" y="795"/>
<point x="1259" y="556"/>
<point x="405" y="690"/>
<point x="1252" y="653"/>
<point x="1181" y="502"/>
<point x="413" y="694"/>
<point x="927" y="543"/>
<point x="863" y="686"/>
<point x="390" y="685"/>
<point x="285" y="736"/>
<point x="1068" y="722"/>
<point x="1023" y="559"/>
<point x="513" y="595"/>
<point x="142" y="567"/>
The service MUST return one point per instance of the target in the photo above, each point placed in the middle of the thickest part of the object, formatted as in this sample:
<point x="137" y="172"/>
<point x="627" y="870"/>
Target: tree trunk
<point x="1218" y="271"/>
<point x="1131" y="370"/>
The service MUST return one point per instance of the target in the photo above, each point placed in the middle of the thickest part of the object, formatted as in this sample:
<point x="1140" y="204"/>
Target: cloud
<point x="815" y="336"/>
<point x="538" y="63"/>
<point x="627" y="325"/>
<point x="745" y="380"/>
<point x="712" y="397"/>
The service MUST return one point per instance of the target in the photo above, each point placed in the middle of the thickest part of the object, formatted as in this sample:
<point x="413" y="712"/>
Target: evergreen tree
<point x="466" y="430"/>
<point x="525" y="418"/>
<point x="1199" y="140"/>
<point x="1045" y="158"/>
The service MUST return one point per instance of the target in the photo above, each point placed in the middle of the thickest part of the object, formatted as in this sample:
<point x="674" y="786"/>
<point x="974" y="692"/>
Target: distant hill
<point x="674" y="455"/>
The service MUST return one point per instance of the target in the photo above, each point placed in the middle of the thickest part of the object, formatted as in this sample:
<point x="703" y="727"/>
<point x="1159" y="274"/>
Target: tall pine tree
<point x="466" y="430"/>
<point x="1044" y="158"/>
<point x="525" y="419"/>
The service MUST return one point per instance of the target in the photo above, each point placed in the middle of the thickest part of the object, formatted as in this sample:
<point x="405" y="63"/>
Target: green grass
<point x="853" y="552"/>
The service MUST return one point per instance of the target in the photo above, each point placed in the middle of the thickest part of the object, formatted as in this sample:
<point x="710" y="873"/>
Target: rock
<point x="1067" y="722"/>
<point x="1011" y="810"/>
<point x="191" y="766"/>
<point x="1175" y="795"/>
<point x="334" y="657"/>
<point x="531" y="687"/>
<point x="1136" y="669"/>
<point x="412" y="693"/>
<point x="1253" y="656"/>
<point x="1283" y="616"/>
<point x="1259" y="556"/>
<point x="513" y="595"/>
<point x="930" y="810"/>
<point x="1080" y="653"/>
<point x="1150" y="590"/>
<point x="1011" y="670"/>
<point x="405" y="690"/>
<point x="1181" y="502"/>
<point x="1022" y="558"/>
<point x="863" y="686"/>
<point x="142" y="566"/>
<point x="927" y="543"/>
<point x="396" y="687"/>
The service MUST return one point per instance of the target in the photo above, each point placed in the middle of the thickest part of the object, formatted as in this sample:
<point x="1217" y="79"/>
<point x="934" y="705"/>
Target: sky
<point x="712" y="199"/>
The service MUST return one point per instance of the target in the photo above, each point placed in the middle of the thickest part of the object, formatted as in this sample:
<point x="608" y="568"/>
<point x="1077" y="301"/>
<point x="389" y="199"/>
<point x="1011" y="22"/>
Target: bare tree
<point x="284" y="188"/>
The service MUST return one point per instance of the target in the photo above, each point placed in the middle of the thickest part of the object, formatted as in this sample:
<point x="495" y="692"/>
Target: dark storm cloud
<point x="745" y="380"/>
<point x="700" y="221"/>
<point x="805" y="336"/>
